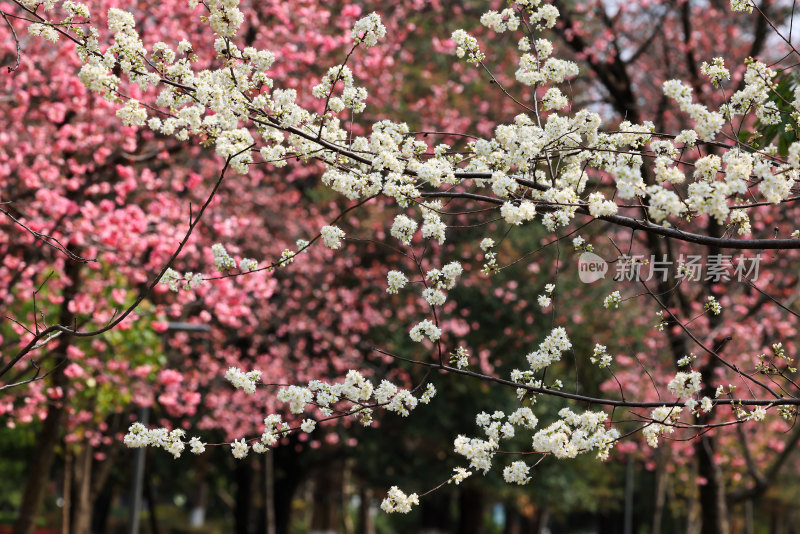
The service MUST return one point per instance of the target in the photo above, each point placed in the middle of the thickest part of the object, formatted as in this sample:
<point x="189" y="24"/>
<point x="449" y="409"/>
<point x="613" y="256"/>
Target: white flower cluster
<point x="222" y="260"/>
<point x="353" y="185"/>
<point x="490" y="256"/>
<point x="403" y="228"/>
<point x="352" y="97"/>
<point x="459" y="475"/>
<point x="628" y="173"/>
<point x="432" y="225"/>
<point x="395" y="399"/>
<point x="517" y="213"/>
<point x="45" y="31"/>
<point x="446" y="277"/>
<point x="368" y="30"/>
<point x="428" y="394"/>
<point x="287" y="257"/>
<point x="600" y="207"/>
<point x="241" y="380"/>
<point x="274" y="428"/>
<point x="395" y="281"/>
<point x="355" y="390"/>
<point x="663" y="421"/>
<point x="707" y="123"/>
<point x="755" y="95"/>
<point x="536" y="70"/>
<point x="742" y="5"/>
<point x="613" y="300"/>
<point x="225" y="17"/>
<point x="248" y="264"/>
<point x="576" y="434"/>
<point x="715" y="71"/>
<point x="516" y="473"/>
<point x="460" y="358"/>
<point x="308" y="426"/>
<point x="580" y="245"/>
<point x="739" y="219"/>
<point x="297" y="397"/>
<point x="724" y="390"/>
<point x="550" y="349"/>
<point x="467" y="46"/>
<point x="425" y="329"/>
<point x="172" y="280"/>
<point x="479" y="452"/>
<point x="706" y="405"/>
<point x="523" y="417"/>
<point x="600" y="356"/>
<point x="554" y="99"/>
<point x="132" y="114"/>
<point x="664" y="202"/>
<point x="332" y="236"/>
<point x="713" y="305"/>
<point x="239" y="449"/>
<point x="685" y="384"/>
<point x="776" y="184"/>
<point x="397" y="501"/>
<point x="434" y="297"/>
<point x="170" y="440"/>
<point x="235" y="144"/>
<point x="500" y="22"/>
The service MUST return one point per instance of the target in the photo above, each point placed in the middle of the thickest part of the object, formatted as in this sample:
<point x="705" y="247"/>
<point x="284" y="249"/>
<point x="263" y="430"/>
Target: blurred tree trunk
<point x="47" y="439"/>
<point x="326" y="517"/>
<point x="244" y="484"/>
<point x="712" y="493"/>
<point x="288" y="474"/>
<point x="531" y="520"/>
<point x="81" y="489"/>
<point x="435" y="513"/>
<point x="661" y="491"/>
<point x="470" y="511"/>
<point x="365" y="523"/>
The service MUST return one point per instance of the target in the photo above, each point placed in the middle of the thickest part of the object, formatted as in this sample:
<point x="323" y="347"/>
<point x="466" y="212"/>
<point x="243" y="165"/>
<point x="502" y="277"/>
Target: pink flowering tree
<point x="691" y="186"/>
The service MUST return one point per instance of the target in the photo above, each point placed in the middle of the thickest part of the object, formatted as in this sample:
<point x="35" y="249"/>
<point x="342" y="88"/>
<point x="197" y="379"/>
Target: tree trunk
<point x="713" y="507"/>
<point x="48" y="438"/>
<point x="288" y="474"/>
<point x="81" y="503"/>
<point x="470" y="511"/>
<point x="269" y="492"/>
<point x="366" y="525"/>
<point x="327" y="517"/>
<point x="435" y="513"/>
<point x="41" y="462"/>
<point x="67" y="491"/>
<point x="661" y="492"/>
<point x="244" y="481"/>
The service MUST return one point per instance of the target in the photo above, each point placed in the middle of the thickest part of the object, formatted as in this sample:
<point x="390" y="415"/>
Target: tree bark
<point x="661" y="492"/>
<point x="327" y="517"/>
<point x="713" y="507"/>
<point x="48" y="438"/>
<point x="244" y="482"/>
<point x="82" y="503"/>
